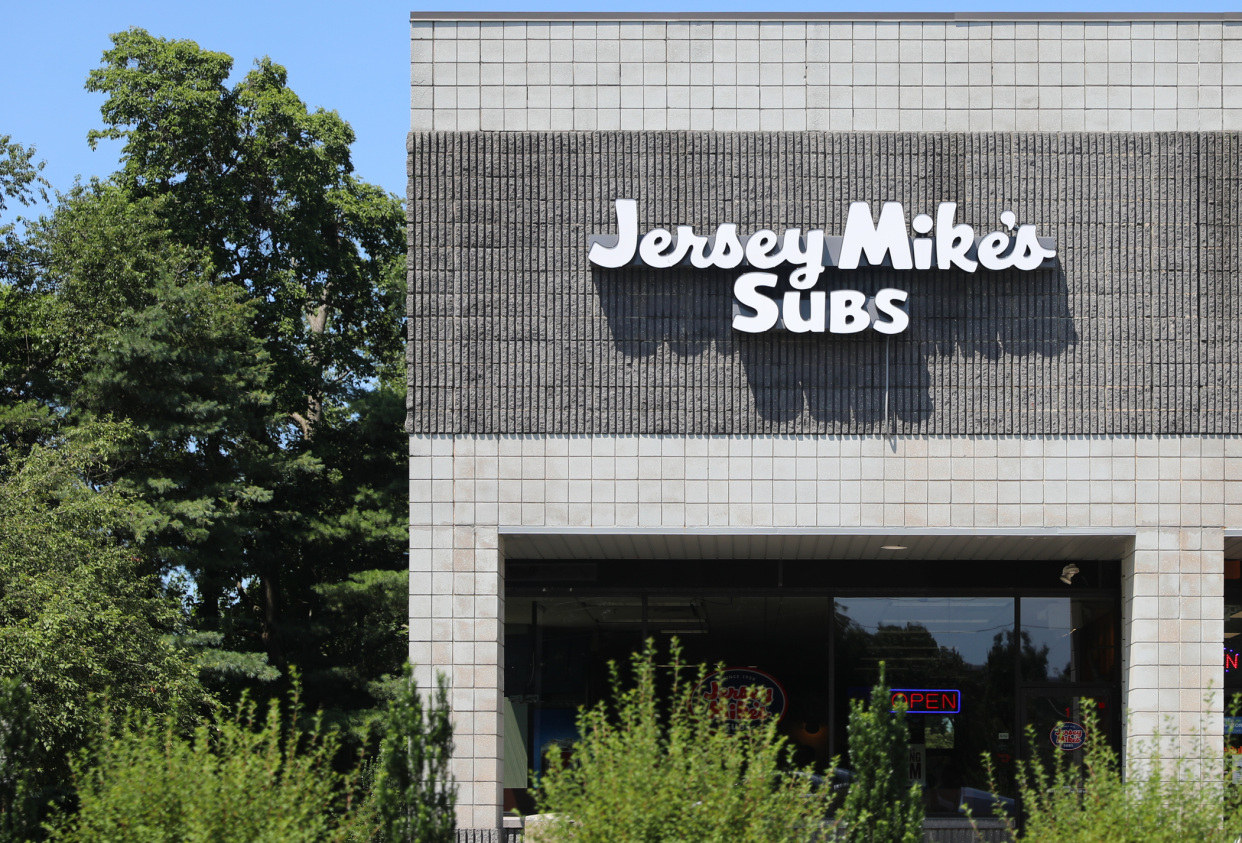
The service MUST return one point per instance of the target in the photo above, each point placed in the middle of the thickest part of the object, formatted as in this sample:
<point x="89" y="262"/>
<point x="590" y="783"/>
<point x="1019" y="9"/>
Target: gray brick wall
<point x="511" y="331"/>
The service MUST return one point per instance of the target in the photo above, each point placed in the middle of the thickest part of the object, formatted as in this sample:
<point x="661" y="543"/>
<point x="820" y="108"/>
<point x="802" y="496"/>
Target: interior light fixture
<point x="892" y="547"/>
<point x="1067" y="573"/>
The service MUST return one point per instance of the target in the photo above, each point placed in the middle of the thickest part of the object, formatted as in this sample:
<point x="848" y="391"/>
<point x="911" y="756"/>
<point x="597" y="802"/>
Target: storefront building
<point x="821" y="341"/>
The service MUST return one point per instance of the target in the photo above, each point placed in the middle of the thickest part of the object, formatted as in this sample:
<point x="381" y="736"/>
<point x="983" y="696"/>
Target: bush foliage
<point x="244" y="777"/>
<point x="250" y="776"/>
<point x="649" y="769"/>
<point x="881" y="806"/>
<point x="1172" y="788"/>
<point x="414" y="793"/>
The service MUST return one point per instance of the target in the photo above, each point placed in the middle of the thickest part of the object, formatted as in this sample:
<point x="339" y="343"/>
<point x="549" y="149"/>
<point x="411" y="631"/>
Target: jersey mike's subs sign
<point x="802" y="258"/>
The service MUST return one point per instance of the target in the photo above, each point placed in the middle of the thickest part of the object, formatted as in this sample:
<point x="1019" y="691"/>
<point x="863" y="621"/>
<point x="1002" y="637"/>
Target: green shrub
<point x="245" y="778"/>
<point x="643" y="772"/>
<point x="414" y="794"/>
<point x="881" y="806"/>
<point x="1173" y="788"/>
<point x="249" y="777"/>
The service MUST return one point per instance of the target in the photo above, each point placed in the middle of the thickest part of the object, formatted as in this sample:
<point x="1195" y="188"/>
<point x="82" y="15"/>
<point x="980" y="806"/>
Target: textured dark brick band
<point x="512" y="331"/>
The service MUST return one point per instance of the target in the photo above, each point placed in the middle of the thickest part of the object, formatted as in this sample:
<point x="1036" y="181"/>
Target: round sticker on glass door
<point x="1068" y="736"/>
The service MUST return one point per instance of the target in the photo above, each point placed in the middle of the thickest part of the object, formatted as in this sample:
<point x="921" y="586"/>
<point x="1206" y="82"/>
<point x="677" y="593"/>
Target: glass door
<point x="1061" y="720"/>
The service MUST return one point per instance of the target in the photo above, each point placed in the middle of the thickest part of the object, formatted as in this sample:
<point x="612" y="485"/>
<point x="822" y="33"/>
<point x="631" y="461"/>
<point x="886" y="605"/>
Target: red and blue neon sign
<point x="927" y="700"/>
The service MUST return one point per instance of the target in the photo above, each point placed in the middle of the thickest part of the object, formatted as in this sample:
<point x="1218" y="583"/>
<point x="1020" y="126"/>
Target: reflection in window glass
<point x="939" y="731"/>
<point x="964" y="645"/>
<point x="1067" y="639"/>
<point x="557" y="651"/>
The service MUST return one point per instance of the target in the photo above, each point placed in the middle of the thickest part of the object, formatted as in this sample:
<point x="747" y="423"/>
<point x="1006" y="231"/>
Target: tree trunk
<point x="208" y="602"/>
<point x="271" y="615"/>
<point x="318" y="322"/>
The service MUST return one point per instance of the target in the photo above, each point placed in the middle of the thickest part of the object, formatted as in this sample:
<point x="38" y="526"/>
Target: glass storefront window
<point x="974" y="670"/>
<point x="556" y="655"/>
<point x="786" y="638"/>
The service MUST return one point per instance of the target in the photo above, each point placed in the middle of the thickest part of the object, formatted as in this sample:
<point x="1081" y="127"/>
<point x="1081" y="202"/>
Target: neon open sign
<point x="927" y="701"/>
<point x="1231" y="660"/>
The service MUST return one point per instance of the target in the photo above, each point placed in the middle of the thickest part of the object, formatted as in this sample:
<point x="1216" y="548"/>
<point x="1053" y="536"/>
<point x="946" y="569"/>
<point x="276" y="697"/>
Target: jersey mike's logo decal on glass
<point x="1068" y="736"/>
<point x="926" y="700"/>
<point x="743" y="697"/>
<point x="938" y="244"/>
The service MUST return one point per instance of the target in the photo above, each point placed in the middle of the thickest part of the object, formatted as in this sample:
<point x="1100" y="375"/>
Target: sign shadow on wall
<point x="967" y="332"/>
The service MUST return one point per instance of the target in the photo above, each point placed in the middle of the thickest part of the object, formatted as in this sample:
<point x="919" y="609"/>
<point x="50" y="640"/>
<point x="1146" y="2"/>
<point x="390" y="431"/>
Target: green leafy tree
<point x="94" y="259"/>
<point x="25" y="415"/>
<point x="233" y="297"/>
<point x="266" y="187"/>
<point x="20" y="177"/>
<point x="21" y="180"/>
<point x="174" y="355"/>
<point x="654" y="766"/>
<point x="881" y="806"/>
<point x="414" y="792"/>
<point x="22" y="417"/>
<point x="261" y="190"/>
<point x="79" y="615"/>
<point x="361" y="627"/>
<point x="19" y="760"/>
<point x="236" y="295"/>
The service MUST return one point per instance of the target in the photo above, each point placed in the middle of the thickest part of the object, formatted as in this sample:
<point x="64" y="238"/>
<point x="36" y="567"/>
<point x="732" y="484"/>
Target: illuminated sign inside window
<point x="927" y="701"/>
<point x="1231" y="660"/>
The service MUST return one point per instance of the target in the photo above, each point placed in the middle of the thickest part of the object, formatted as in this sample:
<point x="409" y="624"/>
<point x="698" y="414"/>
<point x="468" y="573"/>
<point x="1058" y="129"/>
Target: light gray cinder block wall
<point x="838" y="75"/>
<point x="1175" y="495"/>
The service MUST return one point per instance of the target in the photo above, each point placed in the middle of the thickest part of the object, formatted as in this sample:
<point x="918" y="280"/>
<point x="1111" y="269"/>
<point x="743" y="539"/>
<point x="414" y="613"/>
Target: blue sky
<point x="350" y="57"/>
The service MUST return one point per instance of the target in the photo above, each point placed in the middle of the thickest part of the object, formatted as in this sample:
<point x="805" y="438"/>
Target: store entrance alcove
<point x="978" y="637"/>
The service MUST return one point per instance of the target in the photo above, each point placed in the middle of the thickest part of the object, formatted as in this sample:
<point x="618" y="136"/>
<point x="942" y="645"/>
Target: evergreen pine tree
<point x="881" y="806"/>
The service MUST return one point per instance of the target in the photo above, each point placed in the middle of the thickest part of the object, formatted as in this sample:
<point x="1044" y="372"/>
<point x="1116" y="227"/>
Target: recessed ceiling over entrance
<point x="790" y="543"/>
